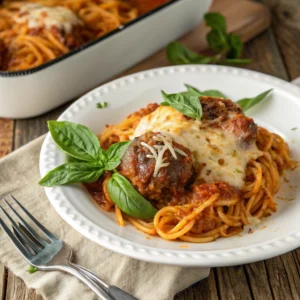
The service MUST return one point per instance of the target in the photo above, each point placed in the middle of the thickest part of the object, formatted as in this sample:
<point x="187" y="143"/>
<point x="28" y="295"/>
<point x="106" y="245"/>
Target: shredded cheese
<point x="161" y="149"/>
<point x="159" y="160"/>
<point x="180" y="152"/>
<point x="151" y="149"/>
<point x="169" y="145"/>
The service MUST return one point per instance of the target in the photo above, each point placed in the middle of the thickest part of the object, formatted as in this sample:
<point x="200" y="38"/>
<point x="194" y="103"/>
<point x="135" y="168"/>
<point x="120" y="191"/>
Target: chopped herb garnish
<point x="295" y="128"/>
<point x="32" y="269"/>
<point x="238" y="171"/>
<point x="100" y="105"/>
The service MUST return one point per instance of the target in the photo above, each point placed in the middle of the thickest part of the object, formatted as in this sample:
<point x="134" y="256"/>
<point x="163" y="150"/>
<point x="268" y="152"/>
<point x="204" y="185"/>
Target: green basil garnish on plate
<point x="75" y="139"/>
<point x="114" y="154"/>
<point x="185" y="102"/>
<point x="188" y="102"/>
<point x="72" y="173"/>
<point x="211" y="93"/>
<point x="125" y="196"/>
<point x="247" y="103"/>
<point x="89" y="161"/>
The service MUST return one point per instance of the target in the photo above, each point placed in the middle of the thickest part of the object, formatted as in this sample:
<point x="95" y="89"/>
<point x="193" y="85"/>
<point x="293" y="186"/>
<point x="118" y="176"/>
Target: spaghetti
<point x="205" y="211"/>
<point x="35" y="31"/>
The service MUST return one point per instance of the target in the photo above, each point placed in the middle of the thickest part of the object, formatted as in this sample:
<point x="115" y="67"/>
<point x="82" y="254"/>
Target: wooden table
<point x="275" y="52"/>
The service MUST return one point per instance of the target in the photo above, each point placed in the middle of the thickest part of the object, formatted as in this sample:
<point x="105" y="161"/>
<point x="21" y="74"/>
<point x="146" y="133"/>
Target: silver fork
<point x="53" y="254"/>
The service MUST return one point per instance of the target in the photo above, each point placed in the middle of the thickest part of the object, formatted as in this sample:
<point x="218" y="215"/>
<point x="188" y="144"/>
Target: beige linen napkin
<point x="19" y="174"/>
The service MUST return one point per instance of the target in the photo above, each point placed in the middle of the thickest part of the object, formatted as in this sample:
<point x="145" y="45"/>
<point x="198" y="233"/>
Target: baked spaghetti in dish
<point x="33" y="32"/>
<point x="207" y="178"/>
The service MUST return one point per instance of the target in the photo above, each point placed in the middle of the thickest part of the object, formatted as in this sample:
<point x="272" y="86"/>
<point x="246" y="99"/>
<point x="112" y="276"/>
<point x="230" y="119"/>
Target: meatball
<point x="141" y="167"/>
<point x="218" y="109"/>
<point x="242" y="127"/>
<point x="219" y="112"/>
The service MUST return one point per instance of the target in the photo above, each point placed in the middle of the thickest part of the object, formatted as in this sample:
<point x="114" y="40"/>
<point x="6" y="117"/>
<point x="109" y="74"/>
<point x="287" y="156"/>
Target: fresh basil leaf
<point x="73" y="172"/>
<point x="237" y="61"/>
<point x="164" y="103"/>
<point x="178" y="54"/>
<point x="235" y="46"/>
<point x="124" y="195"/>
<point x="215" y="21"/>
<point x="247" y="103"/>
<point x="214" y="93"/>
<point x="193" y="90"/>
<point x="186" y="103"/>
<point x="115" y="153"/>
<point x="73" y="159"/>
<point x="102" y="156"/>
<point x="211" y="93"/>
<point x="217" y="40"/>
<point x="75" y="139"/>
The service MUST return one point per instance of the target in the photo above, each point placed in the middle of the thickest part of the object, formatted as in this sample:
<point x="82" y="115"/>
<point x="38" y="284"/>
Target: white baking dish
<point x="29" y="93"/>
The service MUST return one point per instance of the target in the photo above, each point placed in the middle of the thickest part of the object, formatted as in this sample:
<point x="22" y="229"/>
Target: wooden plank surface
<point x="201" y="290"/>
<point x="3" y="275"/>
<point x="6" y="146"/>
<point x="286" y="26"/>
<point x="275" y="52"/>
<point x="258" y="281"/>
<point x="17" y="290"/>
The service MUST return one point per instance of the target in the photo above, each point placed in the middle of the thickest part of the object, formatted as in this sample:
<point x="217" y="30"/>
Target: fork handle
<point x="99" y="291"/>
<point x="115" y="292"/>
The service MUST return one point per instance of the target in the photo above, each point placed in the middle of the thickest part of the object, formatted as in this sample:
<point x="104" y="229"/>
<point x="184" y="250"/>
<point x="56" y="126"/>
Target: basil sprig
<point x="114" y="154"/>
<point x="227" y="46"/>
<point x="178" y="54"/>
<point x="88" y="159"/>
<point x="247" y="103"/>
<point x="186" y="103"/>
<point x="123" y="194"/>
<point x="76" y="140"/>
<point x="73" y="172"/>
<point x="211" y="93"/>
<point x="88" y="162"/>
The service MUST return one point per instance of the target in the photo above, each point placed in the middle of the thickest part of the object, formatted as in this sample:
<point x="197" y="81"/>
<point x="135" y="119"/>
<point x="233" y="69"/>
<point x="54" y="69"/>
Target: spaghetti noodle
<point x="205" y="211"/>
<point x="35" y="31"/>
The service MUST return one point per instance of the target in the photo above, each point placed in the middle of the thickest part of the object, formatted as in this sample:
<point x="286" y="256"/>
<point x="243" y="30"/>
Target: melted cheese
<point x="37" y="15"/>
<point x="217" y="155"/>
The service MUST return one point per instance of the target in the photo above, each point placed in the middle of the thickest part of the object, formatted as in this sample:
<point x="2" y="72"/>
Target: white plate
<point x="278" y="234"/>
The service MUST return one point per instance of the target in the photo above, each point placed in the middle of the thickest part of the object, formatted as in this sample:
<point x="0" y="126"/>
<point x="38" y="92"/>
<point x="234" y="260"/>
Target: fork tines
<point x="25" y="238"/>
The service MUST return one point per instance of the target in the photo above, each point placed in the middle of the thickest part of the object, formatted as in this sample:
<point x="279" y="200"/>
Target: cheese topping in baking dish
<point x="37" y="15"/>
<point x="218" y="155"/>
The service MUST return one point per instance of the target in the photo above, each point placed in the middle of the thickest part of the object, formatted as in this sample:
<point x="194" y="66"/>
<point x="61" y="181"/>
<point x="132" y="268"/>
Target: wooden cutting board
<point x="245" y="18"/>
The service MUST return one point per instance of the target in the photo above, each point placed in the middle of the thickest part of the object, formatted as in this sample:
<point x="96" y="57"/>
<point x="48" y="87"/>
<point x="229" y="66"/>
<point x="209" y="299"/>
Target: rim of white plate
<point x="245" y="254"/>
